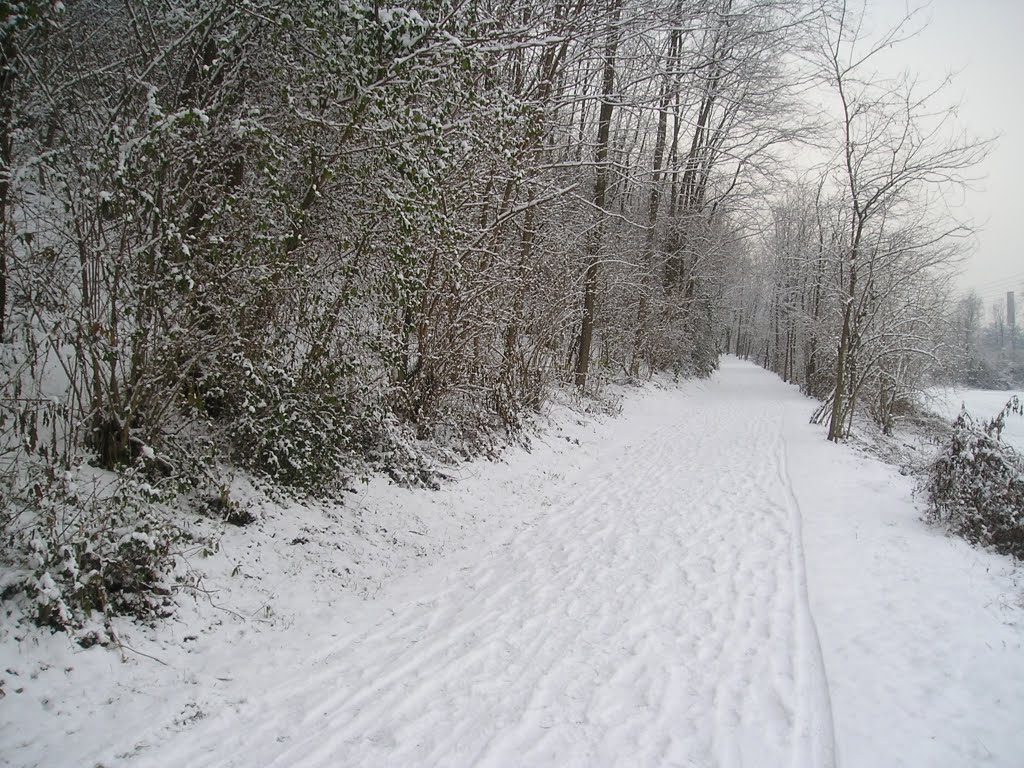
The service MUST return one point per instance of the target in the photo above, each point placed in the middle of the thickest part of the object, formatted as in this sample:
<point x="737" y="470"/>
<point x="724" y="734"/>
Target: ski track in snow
<point x="655" y="614"/>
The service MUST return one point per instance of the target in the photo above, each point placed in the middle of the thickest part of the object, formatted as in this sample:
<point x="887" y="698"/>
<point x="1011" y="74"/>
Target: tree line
<point x="311" y="238"/>
<point x="294" y="228"/>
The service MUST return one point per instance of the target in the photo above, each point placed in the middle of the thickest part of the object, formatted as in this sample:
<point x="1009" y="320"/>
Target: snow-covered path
<point x="654" y="614"/>
<point x="636" y="596"/>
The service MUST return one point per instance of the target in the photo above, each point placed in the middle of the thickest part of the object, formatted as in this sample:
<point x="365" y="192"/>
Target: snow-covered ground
<point x="982" y="404"/>
<point x="703" y="581"/>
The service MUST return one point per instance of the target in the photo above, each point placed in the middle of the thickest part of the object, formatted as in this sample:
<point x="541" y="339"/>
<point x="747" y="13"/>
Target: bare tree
<point x="893" y="146"/>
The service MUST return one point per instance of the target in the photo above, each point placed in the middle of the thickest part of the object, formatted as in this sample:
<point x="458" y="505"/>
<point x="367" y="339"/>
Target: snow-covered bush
<point x="976" y="487"/>
<point x="92" y="543"/>
<point x="291" y="432"/>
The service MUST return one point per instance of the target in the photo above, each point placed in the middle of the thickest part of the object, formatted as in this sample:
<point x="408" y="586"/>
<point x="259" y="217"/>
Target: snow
<point x="922" y="634"/>
<point x="982" y="404"/>
<point x="702" y="581"/>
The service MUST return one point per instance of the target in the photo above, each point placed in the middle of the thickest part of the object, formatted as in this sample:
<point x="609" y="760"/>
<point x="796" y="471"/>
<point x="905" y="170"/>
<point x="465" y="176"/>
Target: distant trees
<point x="980" y="353"/>
<point x="968" y="315"/>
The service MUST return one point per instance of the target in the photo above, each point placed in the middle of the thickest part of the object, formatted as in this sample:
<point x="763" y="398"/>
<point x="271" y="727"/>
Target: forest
<point x="315" y="240"/>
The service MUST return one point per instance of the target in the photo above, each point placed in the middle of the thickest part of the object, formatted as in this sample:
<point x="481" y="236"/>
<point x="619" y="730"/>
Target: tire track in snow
<point x="815" y="728"/>
<point x="656" y="616"/>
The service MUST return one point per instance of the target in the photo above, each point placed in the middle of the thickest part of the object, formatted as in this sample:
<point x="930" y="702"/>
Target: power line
<point x="996" y="294"/>
<point x="1000" y="288"/>
<point x="997" y="289"/>
<point x="986" y="285"/>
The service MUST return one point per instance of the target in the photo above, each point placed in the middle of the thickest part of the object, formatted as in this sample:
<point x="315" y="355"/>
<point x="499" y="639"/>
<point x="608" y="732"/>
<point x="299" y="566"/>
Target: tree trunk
<point x="604" y="123"/>
<point x="835" y="426"/>
<point x="7" y="76"/>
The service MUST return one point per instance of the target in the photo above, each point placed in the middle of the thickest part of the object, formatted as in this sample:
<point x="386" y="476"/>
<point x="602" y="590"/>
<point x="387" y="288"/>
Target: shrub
<point x="976" y="487"/>
<point x="103" y="547"/>
<point x="290" y="431"/>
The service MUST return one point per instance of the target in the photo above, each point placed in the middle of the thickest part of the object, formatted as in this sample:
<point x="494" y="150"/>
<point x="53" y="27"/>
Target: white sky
<point x="982" y="41"/>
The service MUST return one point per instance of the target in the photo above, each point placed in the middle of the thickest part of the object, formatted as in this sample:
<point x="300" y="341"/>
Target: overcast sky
<point x="982" y="41"/>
